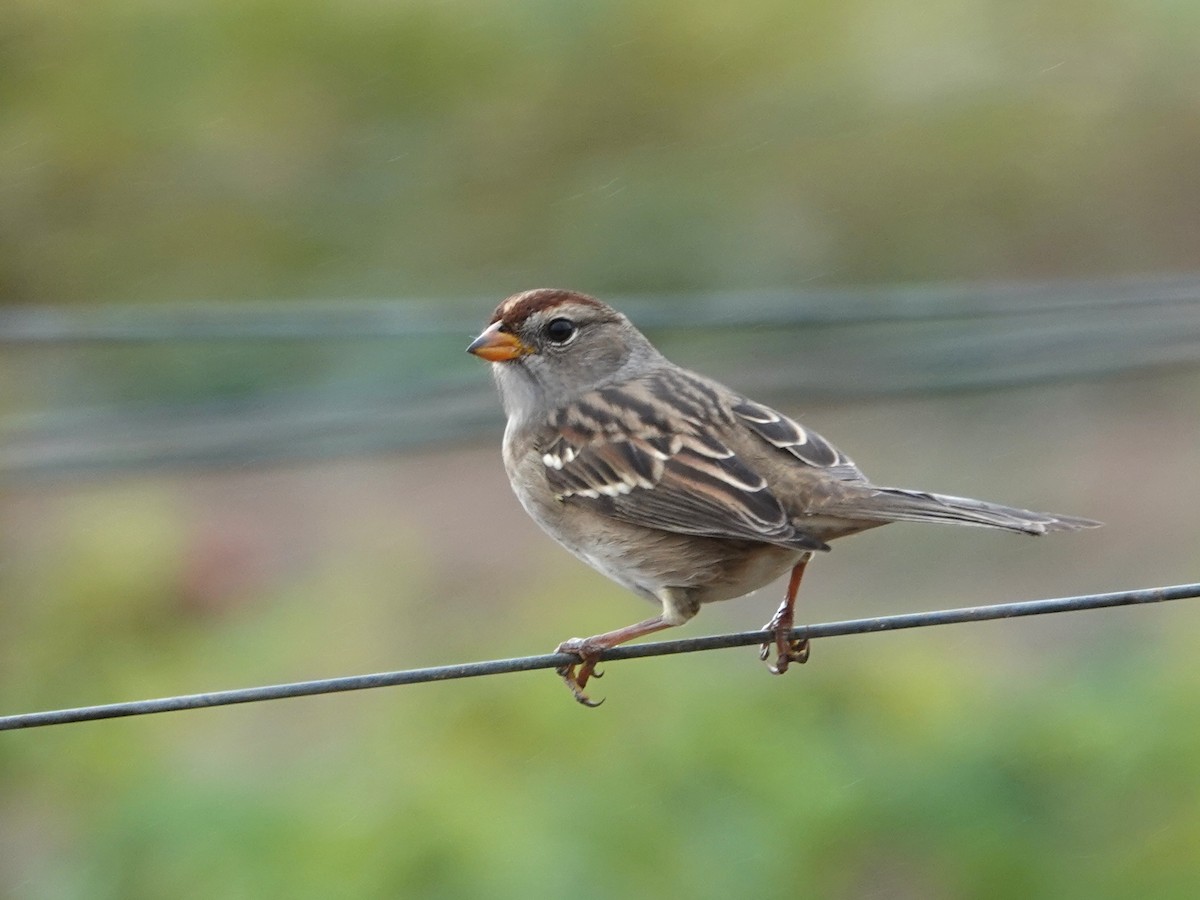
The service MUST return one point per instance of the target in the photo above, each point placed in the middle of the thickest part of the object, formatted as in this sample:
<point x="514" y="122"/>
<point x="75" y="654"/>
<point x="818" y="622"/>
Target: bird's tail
<point x="898" y="505"/>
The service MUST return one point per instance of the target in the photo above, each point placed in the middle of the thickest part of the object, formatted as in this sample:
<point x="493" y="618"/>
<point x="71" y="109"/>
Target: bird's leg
<point x="588" y="650"/>
<point x="790" y="649"/>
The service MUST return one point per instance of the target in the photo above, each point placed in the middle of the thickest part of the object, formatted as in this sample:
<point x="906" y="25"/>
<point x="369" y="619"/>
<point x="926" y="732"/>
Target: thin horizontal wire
<point x="637" y="651"/>
<point x="88" y="420"/>
<point x="388" y="319"/>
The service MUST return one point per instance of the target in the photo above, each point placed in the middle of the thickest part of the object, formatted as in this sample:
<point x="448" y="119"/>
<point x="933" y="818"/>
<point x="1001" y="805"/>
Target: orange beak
<point x="495" y="345"/>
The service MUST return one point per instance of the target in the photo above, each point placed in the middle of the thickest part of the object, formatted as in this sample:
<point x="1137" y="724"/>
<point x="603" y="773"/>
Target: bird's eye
<point x="559" y="331"/>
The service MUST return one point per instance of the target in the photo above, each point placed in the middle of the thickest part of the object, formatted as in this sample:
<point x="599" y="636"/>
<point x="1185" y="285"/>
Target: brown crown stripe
<point x="521" y="306"/>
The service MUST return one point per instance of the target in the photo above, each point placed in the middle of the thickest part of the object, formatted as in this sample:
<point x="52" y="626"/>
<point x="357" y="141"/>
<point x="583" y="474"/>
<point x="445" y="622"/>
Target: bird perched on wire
<point x="673" y="485"/>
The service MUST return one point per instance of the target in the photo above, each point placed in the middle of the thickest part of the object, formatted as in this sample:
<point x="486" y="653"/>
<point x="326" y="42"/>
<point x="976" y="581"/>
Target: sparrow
<point x="673" y="485"/>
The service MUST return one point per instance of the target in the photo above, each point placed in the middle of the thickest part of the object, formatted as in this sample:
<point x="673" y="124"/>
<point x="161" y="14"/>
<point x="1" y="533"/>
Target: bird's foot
<point x="788" y="649"/>
<point x="576" y="675"/>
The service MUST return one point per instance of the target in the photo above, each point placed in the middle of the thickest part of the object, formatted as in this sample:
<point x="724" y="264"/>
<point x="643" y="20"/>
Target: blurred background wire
<point x="381" y="376"/>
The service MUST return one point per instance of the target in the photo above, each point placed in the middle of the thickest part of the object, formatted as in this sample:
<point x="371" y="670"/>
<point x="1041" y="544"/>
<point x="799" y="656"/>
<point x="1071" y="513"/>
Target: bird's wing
<point x="645" y="452"/>
<point x="807" y="446"/>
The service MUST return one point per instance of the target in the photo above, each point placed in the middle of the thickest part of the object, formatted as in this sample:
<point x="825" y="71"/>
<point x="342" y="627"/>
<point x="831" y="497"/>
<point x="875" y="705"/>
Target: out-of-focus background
<point x="242" y="245"/>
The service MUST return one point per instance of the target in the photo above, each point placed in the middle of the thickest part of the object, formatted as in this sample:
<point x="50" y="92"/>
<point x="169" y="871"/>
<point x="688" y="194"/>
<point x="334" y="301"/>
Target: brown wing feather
<point x="807" y="446"/>
<point x="614" y="451"/>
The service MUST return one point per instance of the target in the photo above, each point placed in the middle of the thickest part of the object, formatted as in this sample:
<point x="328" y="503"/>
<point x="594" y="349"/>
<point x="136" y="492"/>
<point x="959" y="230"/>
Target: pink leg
<point x="576" y="675"/>
<point x="789" y="650"/>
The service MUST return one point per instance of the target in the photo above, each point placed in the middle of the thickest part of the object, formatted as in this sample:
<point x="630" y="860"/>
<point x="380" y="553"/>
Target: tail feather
<point x="898" y="505"/>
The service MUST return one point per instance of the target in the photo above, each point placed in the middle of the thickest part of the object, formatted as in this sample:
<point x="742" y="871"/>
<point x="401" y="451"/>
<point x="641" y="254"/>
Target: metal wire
<point x="637" y="651"/>
<point x="388" y="319"/>
<point x="105" y="391"/>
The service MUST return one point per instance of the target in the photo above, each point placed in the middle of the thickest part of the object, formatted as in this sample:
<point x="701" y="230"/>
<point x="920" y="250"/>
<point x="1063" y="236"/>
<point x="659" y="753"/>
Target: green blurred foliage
<point x="892" y="766"/>
<point x="155" y="151"/>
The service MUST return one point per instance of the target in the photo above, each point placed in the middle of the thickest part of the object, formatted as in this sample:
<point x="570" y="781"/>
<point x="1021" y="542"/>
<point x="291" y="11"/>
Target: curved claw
<point x="588" y="701"/>
<point x="575" y="681"/>
<point x="589" y="650"/>
<point x="790" y="650"/>
<point x="576" y="675"/>
<point x="796" y="652"/>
